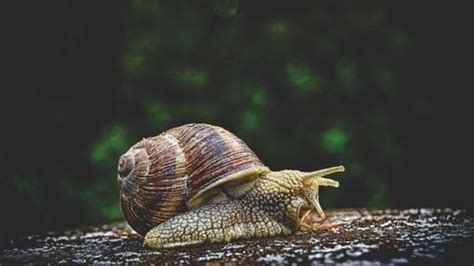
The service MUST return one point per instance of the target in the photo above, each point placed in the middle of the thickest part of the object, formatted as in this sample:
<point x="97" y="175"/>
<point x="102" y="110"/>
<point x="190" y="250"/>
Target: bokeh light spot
<point x="250" y="121"/>
<point x="334" y="140"/>
<point x="301" y="77"/>
<point x="346" y="72"/>
<point x="226" y="8"/>
<point x="112" y="143"/>
<point x="133" y="64"/>
<point x="192" y="77"/>
<point x="259" y="97"/>
<point x="158" y="114"/>
<point x="278" y="28"/>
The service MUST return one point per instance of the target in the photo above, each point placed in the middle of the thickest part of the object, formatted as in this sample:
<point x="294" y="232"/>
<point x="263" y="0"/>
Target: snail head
<point x="313" y="180"/>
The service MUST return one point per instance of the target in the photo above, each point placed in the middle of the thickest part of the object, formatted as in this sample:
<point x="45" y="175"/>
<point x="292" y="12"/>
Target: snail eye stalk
<point x="317" y="176"/>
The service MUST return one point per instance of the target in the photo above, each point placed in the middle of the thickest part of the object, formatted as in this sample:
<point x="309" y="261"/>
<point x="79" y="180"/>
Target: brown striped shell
<point x="181" y="168"/>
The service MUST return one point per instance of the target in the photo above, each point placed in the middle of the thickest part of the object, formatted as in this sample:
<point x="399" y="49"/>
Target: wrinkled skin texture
<point x="272" y="207"/>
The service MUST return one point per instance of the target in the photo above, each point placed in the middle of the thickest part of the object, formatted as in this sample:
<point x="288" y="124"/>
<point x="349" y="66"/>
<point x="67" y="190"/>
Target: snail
<point x="199" y="183"/>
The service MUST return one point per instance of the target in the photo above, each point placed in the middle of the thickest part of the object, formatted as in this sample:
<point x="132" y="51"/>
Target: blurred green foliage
<point x="334" y="140"/>
<point x="289" y="85"/>
<point x="306" y="85"/>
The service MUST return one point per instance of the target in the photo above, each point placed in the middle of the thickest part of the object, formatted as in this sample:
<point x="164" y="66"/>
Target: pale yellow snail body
<point x="200" y="183"/>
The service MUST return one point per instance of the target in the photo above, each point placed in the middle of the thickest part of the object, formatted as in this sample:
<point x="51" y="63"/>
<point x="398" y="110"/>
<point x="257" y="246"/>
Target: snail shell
<point x="181" y="169"/>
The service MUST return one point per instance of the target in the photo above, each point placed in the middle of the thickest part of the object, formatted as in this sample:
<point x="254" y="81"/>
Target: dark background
<point x="383" y="87"/>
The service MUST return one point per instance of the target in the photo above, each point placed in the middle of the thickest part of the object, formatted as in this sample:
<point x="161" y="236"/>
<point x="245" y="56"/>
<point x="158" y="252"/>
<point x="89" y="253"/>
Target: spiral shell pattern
<point x="158" y="175"/>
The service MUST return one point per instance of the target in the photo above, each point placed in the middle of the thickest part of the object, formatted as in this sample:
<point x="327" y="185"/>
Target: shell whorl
<point x="158" y="175"/>
<point x="133" y="168"/>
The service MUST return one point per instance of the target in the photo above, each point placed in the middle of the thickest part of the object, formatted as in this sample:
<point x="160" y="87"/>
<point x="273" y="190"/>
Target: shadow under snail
<point x="199" y="183"/>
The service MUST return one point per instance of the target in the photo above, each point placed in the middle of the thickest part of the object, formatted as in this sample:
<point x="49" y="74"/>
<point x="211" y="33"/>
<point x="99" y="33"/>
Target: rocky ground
<point x="437" y="236"/>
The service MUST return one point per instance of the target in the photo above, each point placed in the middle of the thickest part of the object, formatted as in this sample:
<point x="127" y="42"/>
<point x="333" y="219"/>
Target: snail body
<point x="199" y="183"/>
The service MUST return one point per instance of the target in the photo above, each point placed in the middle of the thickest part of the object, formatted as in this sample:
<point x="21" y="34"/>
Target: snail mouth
<point x="133" y="168"/>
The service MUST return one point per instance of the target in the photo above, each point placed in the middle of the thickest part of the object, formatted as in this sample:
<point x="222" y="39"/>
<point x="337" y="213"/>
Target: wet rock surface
<point x="387" y="236"/>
